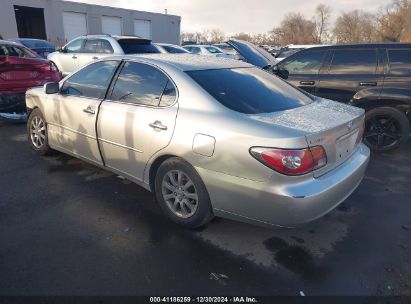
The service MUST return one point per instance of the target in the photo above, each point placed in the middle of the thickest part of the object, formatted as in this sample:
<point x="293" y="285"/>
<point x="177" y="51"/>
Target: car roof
<point x="186" y="62"/>
<point x="362" y="45"/>
<point x="4" y="42"/>
<point x="112" y="36"/>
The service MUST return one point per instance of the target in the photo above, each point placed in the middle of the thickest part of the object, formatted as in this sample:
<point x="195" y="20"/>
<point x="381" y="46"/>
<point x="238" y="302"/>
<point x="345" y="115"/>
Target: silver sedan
<point x="210" y="137"/>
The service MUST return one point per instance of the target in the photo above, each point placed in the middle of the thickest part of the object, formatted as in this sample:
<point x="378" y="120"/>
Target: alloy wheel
<point x="37" y="132"/>
<point x="179" y="193"/>
<point x="382" y="131"/>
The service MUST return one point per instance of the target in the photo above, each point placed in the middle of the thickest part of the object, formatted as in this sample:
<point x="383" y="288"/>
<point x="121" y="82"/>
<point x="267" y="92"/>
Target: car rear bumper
<point x="286" y="205"/>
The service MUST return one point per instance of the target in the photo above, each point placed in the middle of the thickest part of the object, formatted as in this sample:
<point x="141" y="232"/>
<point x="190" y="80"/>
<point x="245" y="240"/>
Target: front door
<point x="302" y="69"/>
<point x="68" y="58"/>
<point x="138" y="118"/>
<point x="73" y="112"/>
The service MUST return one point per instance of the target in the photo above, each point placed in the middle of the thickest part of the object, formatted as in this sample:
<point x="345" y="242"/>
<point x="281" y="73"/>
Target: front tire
<point x="37" y="133"/>
<point x="182" y="194"/>
<point x="386" y="129"/>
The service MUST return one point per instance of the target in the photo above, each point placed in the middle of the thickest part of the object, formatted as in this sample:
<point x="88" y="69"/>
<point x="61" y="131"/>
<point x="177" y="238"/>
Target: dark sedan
<point x="41" y="47"/>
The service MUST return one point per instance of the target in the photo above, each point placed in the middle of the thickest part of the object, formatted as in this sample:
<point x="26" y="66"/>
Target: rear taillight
<point x="48" y="67"/>
<point x="291" y="162"/>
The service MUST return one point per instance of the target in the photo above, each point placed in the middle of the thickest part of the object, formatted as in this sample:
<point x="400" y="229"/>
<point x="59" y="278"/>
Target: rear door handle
<point x="95" y="58"/>
<point x="307" y="82"/>
<point x="89" y="110"/>
<point x="368" y="84"/>
<point x="157" y="125"/>
<point x="74" y="57"/>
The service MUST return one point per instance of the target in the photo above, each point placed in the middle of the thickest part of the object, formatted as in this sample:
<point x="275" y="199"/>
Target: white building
<point x="60" y="21"/>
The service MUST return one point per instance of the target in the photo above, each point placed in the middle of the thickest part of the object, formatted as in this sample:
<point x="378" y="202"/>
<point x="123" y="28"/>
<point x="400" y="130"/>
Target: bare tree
<point x="216" y="36"/>
<point x="394" y="22"/>
<point x="322" y="22"/>
<point x="355" y="27"/>
<point x="295" y="29"/>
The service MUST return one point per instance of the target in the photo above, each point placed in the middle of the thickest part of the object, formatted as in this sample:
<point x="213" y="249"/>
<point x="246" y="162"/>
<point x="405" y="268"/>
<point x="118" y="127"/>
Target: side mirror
<point x="51" y="88"/>
<point x="275" y="69"/>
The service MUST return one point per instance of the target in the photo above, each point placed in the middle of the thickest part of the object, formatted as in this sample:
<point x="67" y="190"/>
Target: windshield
<point x="250" y="90"/>
<point x="137" y="46"/>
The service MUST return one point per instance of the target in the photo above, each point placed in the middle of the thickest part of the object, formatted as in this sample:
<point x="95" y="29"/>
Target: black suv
<point x="375" y="77"/>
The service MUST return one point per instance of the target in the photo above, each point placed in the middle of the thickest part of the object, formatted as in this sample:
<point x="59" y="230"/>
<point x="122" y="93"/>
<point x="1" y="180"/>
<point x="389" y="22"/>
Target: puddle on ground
<point x="272" y="247"/>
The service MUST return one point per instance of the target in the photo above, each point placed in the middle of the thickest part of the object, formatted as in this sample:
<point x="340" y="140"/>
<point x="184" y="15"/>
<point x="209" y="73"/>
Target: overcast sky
<point x="232" y="16"/>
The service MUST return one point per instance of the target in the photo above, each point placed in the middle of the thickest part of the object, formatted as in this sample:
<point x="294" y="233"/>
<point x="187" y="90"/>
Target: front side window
<point x="308" y="62"/>
<point x="250" y="90"/>
<point x="354" y="62"/>
<point x="140" y="84"/>
<point x="400" y="62"/>
<point x="92" y="81"/>
<point x="74" y="46"/>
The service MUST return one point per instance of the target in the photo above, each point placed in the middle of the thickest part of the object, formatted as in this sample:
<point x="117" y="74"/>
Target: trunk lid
<point x="16" y="68"/>
<point x="253" y="54"/>
<point x="335" y="126"/>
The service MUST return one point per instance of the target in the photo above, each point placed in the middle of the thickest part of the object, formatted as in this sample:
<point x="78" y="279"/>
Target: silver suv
<point x="85" y="49"/>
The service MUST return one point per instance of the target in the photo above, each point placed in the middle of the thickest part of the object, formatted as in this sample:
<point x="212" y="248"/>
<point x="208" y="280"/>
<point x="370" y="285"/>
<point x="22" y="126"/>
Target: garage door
<point x="111" y="25"/>
<point x="142" y="28"/>
<point x="74" y="24"/>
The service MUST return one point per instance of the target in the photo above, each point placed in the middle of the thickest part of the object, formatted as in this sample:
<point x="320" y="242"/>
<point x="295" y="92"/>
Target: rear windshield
<point x="250" y="90"/>
<point x="136" y="46"/>
<point x="16" y="51"/>
<point x="174" y="50"/>
<point x="213" y="50"/>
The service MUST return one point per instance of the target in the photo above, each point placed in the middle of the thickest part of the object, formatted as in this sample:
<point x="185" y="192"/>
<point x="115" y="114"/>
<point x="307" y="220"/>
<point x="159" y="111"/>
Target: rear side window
<point x="250" y="90"/>
<point x="142" y="84"/>
<point x="92" y="81"/>
<point x="400" y="62"/>
<point x="354" y="62"/>
<point x="137" y="46"/>
<point x="308" y="62"/>
<point x="90" y="46"/>
<point x="104" y="47"/>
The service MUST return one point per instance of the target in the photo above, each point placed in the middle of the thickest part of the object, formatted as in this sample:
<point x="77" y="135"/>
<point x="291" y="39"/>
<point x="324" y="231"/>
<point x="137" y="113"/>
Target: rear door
<point x="73" y="112"/>
<point x="137" y="119"/>
<point x="350" y="71"/>
<point x="302" y="69"/>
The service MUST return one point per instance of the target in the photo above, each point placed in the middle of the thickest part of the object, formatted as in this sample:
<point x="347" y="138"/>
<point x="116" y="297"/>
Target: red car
<point x="21" y="69"/>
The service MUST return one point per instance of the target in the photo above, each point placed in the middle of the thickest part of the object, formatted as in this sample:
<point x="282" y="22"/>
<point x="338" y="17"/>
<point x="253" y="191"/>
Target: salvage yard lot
<point x="69" y="228"/>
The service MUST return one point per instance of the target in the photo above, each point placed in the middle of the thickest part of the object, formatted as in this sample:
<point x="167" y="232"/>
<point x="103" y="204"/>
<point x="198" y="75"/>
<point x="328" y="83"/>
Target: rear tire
<point x="37" y="133"/>
<point x="182" y="194"/>
<point x="386" y="129"/>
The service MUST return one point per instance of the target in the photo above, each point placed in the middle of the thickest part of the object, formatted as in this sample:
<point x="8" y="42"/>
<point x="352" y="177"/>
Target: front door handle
<point x="95" y="57"/>
<point x="158" y="126"/>
<point x="74" y="57"/>
<point x="368" y="84"/>
<point x="89" y="110"/>
<point x="307" y="82"/>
